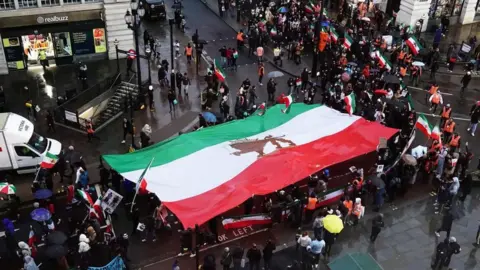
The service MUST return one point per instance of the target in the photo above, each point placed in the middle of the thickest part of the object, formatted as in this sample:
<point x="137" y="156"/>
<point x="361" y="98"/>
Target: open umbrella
<point x="283" y="10"/>
<point x="42" y="194"/>
<point x="365" y="19"/>
<point x="209" y="117"/>
<point x="409" y="160"/>
<point x="275" y="74"/>
<point x="391" y="79"/>
<point x="7" y="188"/>
<point x="56" y="238"/>
<point x="40" y="214"/>
<point x="333" y="224"/>
<point x="418" y="64"/>
<point x="380" y="92"/>
<point x="56" y="251"/>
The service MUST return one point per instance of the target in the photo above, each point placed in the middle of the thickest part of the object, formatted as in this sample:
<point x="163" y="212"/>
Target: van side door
<point x="27" y="158"/>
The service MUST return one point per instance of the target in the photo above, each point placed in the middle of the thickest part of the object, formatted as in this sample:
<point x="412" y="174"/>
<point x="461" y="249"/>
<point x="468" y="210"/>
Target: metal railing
<point x="68" y="112"/>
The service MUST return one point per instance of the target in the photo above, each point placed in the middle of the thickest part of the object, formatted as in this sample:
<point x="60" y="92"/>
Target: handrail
<point x="111" y="87"/>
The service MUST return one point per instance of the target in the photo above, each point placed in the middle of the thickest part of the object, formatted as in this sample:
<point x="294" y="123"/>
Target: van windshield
<point x="38" y="142"/>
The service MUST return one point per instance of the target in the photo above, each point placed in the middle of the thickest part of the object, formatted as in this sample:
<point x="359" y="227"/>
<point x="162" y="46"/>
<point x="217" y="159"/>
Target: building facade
<point x="431" y="11"/>
<point x="67" y="31"/>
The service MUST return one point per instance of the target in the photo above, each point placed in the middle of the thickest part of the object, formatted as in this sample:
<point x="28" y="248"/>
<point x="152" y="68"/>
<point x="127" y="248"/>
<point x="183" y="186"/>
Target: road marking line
<point x="423" y="90"/>
<point x="438" y="116"/>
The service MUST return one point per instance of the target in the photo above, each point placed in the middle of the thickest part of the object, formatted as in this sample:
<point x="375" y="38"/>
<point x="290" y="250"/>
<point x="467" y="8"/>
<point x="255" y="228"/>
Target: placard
<point x="99" y="40"/>
<point x="110" y="201"/>
<point x="70" y="116"/>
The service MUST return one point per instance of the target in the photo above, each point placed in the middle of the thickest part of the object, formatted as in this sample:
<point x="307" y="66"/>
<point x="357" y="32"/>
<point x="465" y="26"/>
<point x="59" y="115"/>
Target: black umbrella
<point x="56" y="251"/>
<point x="391" y="79"/>
<point x="376" y="181"/>
<point x="56" y="238"/>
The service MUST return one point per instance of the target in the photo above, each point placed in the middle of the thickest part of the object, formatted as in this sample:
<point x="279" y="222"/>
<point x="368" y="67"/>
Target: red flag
<point x="70" y="193"/>
<point x="31" y="241"/>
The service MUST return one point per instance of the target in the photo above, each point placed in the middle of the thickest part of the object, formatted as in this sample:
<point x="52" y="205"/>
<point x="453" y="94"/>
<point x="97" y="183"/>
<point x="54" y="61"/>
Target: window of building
<point x="72" y="1"/>
<point x="6" y="4"/>
<point x="46" y="3"/>
<point x="27" y="3"/>
<point x="477" y="8"/>
<point x="439" y="8"/>
<point x="92" y="0"/>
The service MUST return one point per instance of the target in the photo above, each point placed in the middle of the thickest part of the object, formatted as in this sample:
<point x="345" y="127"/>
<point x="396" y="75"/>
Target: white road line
<point x="423" y="90"/>
<point x="438" y="116"/>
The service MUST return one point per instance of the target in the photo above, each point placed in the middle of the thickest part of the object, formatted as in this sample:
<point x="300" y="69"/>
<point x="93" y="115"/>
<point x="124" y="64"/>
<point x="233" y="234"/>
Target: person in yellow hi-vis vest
<point x="42" y="56"/>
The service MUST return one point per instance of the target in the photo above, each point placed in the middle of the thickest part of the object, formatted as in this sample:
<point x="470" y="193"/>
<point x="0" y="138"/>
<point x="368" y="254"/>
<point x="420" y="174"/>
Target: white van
<point x="22" y="149"/>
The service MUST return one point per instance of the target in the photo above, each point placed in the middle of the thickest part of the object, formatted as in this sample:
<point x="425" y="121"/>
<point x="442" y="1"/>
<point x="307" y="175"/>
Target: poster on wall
<point x="99" y="40"/>
<point x="13" y="53"/>
<point x="83" y="42"/>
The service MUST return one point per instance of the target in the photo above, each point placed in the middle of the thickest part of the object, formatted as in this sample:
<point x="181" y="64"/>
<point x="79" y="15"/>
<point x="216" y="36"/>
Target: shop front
<point x="451" y="9"/>
<point x="63" y="38"/>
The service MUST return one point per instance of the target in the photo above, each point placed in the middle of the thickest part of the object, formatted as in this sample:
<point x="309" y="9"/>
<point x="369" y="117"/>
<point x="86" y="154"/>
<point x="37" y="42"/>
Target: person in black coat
<point x="377" y="225"/>
<point x="466" y="80"/>
<point x="237" y="256"/>
<point x="271" y="89"/>
<point x="474" y="117"/>
<point x="453" y="248"/>
<point x="447" y="222"/>
<point x="254" y="256"/>
<point x="268" y="253"/>
<point x="440" y="254"/>
<point x="466" y="187"/>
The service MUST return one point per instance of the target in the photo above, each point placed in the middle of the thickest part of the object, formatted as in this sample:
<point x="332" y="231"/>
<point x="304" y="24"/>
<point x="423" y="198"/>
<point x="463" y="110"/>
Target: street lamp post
<point x="116" y="42"/>
<point x="133" y="23"/>
<point x="172" y="80"/>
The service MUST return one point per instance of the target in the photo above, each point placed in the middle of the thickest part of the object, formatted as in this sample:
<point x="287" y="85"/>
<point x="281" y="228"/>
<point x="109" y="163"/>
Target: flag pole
<point x="139" y="181"/>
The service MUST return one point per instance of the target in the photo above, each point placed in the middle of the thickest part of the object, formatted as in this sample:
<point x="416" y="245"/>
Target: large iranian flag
<point x="414" y="45"/>
<point x="383" y="60"/>
<point x="202" y="174"/>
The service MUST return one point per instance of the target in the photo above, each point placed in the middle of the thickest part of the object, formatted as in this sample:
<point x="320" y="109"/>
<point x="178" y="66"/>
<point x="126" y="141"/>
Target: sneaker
<point x="180" y="254"/>
<point x="473" y="135"/>
<point x="437" y="234"/>
<point x="123" y="141"/>
<point x="192" y="255"/>
<point x="468" y="129"/>
<point x="261" y="84"/>
<point x="144" y="240"/>
<point x="154" y="240"/>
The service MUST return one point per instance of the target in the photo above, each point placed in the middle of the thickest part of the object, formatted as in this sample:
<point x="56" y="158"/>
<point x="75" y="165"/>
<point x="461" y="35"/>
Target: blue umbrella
<point x="40" y="214"/>
<point x="42" y="194"/>
<point x="325" y="24"/>
<point x="283" y="10"/>
<point x="209" y="117"/>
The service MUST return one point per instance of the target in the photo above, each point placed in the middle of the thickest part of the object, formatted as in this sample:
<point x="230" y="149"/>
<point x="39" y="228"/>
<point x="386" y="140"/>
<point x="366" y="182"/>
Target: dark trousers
<point x="260" y="79"/>
<point x="328" y="248"/>
<point x="374" y="234"/>
<point x="271" y="96"/>
<point x="438" y="261"/>
<point x="442" y="229"/>
<point x="266" y="263"/>
<point x="255" y="265"/>
<point x="433" y="107"/>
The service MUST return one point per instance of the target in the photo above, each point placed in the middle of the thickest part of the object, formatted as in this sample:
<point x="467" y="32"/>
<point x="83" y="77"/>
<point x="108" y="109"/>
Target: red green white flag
<point x="350" y="103"/>
<point x="423" y="125"/>
<point x="333" y="35"/>
<point x="414" y="45"/>
<point x="287" y="100"/>
<point x="85" y="196"/>
<point x="347" y="43"/>
<point x="219" y="71"/>
<point x="278" y="148"/>
<point x="245" y="221"/>
<point x="436" y="133"/>
<point x="32" y="239"/>
<point x="48" y="161"/>
<point x="142" y="181"/>
<point x="383" y="60"/>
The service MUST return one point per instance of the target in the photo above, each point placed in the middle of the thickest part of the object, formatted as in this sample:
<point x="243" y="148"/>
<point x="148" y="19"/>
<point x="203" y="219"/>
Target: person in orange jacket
<point x="445" y="113"/>
<point x="448" y="129"/>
